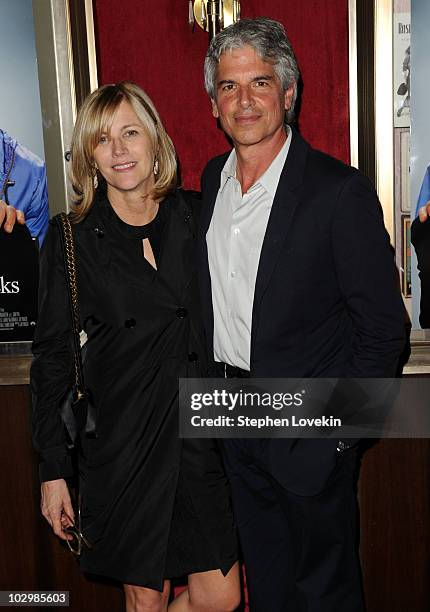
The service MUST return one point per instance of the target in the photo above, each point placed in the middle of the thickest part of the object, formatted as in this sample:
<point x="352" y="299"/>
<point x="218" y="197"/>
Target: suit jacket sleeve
<point x="368" y="281"/>
<point x="52" y="367"/>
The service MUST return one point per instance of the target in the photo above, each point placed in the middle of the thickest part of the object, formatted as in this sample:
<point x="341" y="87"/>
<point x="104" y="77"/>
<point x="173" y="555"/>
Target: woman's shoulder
<point x="190" y="199"/>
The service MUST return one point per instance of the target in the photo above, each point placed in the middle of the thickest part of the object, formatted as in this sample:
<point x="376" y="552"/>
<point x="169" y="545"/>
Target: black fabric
<point x="300" y="551"/>
<point x="142" y="325"/>
<point x="228" y="371"/>
<point x="420" y="238"/>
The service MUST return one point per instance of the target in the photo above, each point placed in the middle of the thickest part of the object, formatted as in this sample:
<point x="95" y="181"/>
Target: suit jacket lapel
<point x="281" y="216"/>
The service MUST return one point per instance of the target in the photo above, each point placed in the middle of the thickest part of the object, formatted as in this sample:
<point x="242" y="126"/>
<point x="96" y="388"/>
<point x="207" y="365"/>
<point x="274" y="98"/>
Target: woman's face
<point x="125" y="156"/>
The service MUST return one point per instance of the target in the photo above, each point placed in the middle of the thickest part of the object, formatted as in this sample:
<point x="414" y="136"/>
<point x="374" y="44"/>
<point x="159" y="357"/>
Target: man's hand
<point x="9" y="216"/>
<point x="57" y="507"/>
<point x="424" y="212"/>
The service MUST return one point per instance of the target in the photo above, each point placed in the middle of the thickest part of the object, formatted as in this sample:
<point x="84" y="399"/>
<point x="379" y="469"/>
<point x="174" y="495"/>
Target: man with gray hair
<point x="297" y="280"/>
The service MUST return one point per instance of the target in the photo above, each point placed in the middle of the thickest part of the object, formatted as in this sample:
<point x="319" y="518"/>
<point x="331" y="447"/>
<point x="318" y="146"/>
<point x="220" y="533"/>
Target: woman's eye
<point x="102" y="139"/>
<point x="131" y="133"/>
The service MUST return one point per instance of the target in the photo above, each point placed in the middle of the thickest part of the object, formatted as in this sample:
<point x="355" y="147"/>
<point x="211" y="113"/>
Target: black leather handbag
<point x="77" y="409"/>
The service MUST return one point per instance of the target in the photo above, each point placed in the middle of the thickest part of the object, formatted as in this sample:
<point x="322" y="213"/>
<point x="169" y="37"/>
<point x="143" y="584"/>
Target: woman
<point x="153" y="506"/>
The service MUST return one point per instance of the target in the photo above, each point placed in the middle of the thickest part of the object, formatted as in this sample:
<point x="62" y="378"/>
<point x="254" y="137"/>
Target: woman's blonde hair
<point x="95" y="117"/>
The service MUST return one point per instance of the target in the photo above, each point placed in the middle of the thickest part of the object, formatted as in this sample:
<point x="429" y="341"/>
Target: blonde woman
<point x="153" y="506"/>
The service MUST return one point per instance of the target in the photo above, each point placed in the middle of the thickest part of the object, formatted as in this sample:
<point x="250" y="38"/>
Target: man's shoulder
<point x="329" y="167"/>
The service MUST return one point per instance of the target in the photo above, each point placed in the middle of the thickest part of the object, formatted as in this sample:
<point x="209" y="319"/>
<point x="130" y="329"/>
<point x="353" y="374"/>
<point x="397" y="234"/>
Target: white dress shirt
<point x="234" y="240"/>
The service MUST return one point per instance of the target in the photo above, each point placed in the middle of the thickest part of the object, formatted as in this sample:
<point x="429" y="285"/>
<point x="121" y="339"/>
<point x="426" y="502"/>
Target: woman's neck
<point x="133" y="208"/>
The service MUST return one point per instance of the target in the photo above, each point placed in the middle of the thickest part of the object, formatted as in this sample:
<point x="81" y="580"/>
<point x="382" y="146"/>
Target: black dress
<point x="153" y="506"/>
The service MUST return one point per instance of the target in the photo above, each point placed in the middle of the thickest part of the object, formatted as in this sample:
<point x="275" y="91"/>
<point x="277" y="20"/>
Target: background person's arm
<point x="9" y="216"/>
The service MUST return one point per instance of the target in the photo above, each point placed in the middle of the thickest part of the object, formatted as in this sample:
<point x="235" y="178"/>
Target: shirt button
<point x="232" y="274"/>
<point x="192" y="357"/>
<point x="129" y="323"/>
<point x="181" y="313"/>
<point x="236" y="231"/>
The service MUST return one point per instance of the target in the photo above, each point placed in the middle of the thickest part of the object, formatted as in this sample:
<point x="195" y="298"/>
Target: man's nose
<point x="245" y="97"/>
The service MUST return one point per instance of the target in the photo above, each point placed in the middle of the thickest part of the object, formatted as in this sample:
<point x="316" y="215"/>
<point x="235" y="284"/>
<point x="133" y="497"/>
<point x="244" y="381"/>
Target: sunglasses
<point x="78" y="541"/>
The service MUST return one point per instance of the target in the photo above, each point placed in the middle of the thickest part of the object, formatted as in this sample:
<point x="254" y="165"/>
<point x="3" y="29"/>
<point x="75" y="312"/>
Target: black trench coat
<point x="143" y="332"/>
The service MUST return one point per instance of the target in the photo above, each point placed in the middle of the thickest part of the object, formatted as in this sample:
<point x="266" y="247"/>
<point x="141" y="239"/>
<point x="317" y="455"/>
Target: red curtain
<point x="150" y="42"/>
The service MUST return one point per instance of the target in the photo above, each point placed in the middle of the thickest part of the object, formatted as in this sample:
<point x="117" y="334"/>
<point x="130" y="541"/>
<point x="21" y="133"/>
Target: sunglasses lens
<point x="74" y="544"/>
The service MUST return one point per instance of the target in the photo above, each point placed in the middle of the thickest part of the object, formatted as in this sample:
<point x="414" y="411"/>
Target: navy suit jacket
<point x="326" y="301"/>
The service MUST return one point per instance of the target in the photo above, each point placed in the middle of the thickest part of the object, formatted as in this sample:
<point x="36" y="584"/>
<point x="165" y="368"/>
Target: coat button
<point x="181" y="313"/>
<point x="129" y="323"/>
<point x="193" y="357"/>
<point x="99" y="232"/>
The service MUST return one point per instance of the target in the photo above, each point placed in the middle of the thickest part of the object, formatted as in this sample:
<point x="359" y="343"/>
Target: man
<point x="23" y="187"/>
<point x="297" y="280"/>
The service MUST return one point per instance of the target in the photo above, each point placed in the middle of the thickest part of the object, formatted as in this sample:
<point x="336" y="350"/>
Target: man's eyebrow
<point x="263" y="77"/>
<point x="225" y="82"/>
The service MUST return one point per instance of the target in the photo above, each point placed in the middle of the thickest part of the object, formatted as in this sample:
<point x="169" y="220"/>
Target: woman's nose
<point x="118" y="146"/>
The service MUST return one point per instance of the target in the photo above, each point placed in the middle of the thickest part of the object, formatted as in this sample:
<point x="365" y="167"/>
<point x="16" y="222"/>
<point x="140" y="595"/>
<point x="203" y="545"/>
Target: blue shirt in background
<point x="27" y="190"/>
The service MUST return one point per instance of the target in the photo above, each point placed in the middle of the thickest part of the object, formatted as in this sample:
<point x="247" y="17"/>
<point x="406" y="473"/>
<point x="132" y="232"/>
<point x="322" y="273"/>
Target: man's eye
<point x="261" y="83"/>
<point x="228" y="87"/>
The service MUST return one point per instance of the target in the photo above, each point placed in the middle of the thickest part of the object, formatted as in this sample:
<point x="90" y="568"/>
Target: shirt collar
<point x="270" y="179"/>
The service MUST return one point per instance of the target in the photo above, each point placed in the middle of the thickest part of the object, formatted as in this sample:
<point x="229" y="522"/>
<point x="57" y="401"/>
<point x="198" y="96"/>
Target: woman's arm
<point x="52" y="368"/>
<point x="56" y="506"/>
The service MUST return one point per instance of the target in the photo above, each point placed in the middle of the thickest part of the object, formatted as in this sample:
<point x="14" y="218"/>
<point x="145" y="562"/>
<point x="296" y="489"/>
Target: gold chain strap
<point x="69" y="251"/>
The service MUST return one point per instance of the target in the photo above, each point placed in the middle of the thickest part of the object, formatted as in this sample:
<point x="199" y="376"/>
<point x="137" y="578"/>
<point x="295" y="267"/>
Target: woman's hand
<point x="56" y="506"/>
<point x="9" y="215"/>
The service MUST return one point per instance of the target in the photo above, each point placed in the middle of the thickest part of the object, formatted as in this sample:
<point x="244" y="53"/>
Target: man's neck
<point x="253" y="160"/>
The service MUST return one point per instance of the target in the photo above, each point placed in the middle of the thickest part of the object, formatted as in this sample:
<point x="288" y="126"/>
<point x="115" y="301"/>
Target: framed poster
<point x="401" y="62"/>
<point x="66" y="58"/>
<point x="48" y="57"/>
<point x="406" y="256"/>
<point x="384" y="139"/>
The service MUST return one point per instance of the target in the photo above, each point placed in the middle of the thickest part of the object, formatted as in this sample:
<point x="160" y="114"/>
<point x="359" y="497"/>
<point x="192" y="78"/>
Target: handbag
<point x="77" y="409"/>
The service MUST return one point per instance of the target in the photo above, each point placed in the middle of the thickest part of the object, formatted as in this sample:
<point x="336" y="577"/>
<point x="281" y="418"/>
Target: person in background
<point x="23" y="187"/>
<point x="420" y="238"/>
<point x="153" y="506"/>
<point x="297" y="280"/>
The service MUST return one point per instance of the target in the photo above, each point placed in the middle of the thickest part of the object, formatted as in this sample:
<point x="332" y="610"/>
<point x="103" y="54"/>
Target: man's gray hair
<point x="270" y="41"/>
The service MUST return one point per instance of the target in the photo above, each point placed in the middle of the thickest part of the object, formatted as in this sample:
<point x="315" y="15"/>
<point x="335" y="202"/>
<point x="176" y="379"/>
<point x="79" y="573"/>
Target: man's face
<point x="250" y="102"/>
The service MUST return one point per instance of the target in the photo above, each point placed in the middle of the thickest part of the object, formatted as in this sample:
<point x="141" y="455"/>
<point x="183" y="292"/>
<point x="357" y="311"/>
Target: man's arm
<point x="368" y="281"/>
<point x="38" y="210"/>
<point x="424" y="212"/>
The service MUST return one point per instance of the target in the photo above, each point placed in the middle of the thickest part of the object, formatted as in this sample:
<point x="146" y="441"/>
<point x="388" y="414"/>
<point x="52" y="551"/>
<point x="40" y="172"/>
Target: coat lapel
<point x="178" y="260"/>
<point x="281" y="216"/>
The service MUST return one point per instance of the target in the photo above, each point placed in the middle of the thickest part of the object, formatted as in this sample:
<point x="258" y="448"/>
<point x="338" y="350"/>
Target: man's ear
<point x="215" y="112"/>
<point x="288" y="96"/>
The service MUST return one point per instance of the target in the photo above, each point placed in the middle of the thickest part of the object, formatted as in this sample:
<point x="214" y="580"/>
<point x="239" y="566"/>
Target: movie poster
<point x="420" y="157"/>
<point x="402" y="62"/>
<point x="22" y="171"/>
